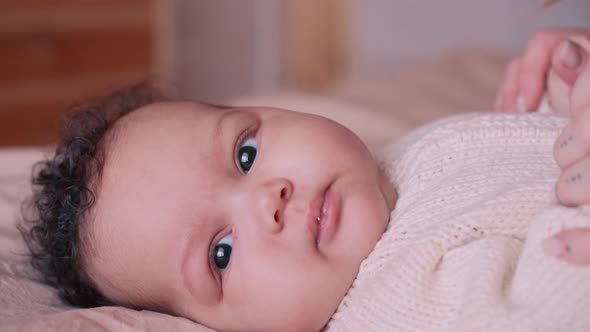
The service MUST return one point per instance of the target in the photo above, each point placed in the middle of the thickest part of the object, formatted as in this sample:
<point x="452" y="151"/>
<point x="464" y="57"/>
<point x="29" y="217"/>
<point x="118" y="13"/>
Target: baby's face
<point x="255" y="219"/>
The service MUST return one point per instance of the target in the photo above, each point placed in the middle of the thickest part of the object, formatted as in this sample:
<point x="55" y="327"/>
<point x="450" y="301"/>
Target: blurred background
<point x="57" y="52"/>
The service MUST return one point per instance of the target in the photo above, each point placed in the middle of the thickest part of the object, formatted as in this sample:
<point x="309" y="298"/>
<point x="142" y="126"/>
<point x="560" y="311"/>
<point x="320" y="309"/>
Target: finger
<point x="569" y="147"/>
<point x="558" y="93"/>
<point x="536" y="63"/>
<point x="572" y="246"/>
<point x="509" y="75"/>
<point x="568" y="60"/>
<point x="499" y="97"/>
<point x="510" y="88"/>
<point x="581" y="127"/>
<point x="573" y="186"/>
<point x="579" y="96"/>
<point x="500" y="94"/>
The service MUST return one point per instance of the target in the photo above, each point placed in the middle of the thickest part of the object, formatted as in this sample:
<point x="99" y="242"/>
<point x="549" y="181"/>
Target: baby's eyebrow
<point x="218" y="147"/>
<point x="220" y="122"/>
<point x="188" y="244"/>
<point x="192" y="243"/>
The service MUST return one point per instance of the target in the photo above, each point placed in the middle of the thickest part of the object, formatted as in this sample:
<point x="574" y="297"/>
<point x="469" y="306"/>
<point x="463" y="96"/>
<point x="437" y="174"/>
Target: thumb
<point x="572" y="246"/>
<point x="568" y="60"/>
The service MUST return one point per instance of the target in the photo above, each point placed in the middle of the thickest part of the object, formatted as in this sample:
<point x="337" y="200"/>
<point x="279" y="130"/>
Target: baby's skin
<point x="253" y="220"/>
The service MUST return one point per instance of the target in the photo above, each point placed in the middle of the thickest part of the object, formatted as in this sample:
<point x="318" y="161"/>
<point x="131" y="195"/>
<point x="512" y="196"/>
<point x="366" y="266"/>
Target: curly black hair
<point x="63" y="191"/>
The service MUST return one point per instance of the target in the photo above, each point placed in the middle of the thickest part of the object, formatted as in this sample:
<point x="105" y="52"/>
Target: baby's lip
<point x="315" y="211"/>
<point x="325" y="206"/>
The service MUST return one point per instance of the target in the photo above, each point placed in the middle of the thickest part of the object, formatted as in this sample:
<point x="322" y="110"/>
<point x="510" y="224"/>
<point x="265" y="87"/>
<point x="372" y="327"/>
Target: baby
<point x="249" y="219"/>
<point x="258" y="219"/>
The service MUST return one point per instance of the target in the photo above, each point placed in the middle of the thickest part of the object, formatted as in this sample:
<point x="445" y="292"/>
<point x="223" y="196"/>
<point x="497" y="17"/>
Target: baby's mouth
<point x="316" y="208"/>
<point x="321" y="218"/>
<point x="323" y="213"/>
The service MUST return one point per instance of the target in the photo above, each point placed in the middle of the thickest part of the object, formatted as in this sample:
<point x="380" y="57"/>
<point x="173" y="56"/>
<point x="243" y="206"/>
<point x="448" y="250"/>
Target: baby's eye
<point x="222" y="252"/>
<point x="247" y="154"/>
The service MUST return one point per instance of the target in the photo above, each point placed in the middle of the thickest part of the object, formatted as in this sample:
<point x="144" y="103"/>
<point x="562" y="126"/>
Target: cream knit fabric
<point x="462" y="251"/>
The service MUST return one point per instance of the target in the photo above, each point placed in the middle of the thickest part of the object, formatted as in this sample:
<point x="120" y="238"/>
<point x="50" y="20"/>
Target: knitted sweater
<point x="462" y="251"/>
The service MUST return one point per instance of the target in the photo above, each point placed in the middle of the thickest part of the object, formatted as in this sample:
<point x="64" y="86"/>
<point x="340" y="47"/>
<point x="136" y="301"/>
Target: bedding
<point x="378" y="110"/>
<point x="27" y="304"/>
<point x="462" y="251"/>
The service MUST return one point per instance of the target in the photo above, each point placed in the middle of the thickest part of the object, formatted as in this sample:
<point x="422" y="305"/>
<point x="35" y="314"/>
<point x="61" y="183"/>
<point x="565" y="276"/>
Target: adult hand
<point x="525" y="77"/>
<point x="572" y="154"/>
<point x="572" y="246"/>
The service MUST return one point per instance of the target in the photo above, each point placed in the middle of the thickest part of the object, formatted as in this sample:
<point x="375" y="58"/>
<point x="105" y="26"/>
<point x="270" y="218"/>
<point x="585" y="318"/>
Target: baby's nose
<point x="273" y="198"/>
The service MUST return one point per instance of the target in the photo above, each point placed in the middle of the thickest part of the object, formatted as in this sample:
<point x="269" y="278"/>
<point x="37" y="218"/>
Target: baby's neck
<point x="387" y="189"/>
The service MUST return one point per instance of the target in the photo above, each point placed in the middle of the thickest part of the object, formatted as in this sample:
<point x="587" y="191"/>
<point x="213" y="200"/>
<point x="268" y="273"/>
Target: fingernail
<point x="520" y="104"/>
<point x="554" y="247"/>
<point x="569" y="54"/>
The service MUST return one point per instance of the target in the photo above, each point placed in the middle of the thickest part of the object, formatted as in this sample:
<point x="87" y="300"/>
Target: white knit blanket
<point x="463" y="248"/>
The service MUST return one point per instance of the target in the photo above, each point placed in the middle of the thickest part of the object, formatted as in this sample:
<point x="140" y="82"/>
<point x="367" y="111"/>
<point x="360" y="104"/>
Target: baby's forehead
<point x="156" y="147"/>
<point x="162" y="112"/>
<point x="159" y="120"/>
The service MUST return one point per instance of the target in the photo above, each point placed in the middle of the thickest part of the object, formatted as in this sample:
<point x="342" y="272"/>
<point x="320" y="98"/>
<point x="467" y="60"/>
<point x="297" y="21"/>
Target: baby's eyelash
<point x="251" y="131"/>
<point x="211" y="251"/>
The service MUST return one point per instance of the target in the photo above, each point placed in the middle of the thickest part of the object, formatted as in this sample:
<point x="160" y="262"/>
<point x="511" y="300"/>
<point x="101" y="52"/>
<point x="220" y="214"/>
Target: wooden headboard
<point x="317" y="43"/>
<point x="58" y="52"/>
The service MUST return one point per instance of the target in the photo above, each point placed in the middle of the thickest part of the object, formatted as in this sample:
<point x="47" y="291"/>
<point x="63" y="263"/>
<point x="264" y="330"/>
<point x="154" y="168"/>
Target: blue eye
<point x="222" y="252"/>
<point x="247" y="154"/>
